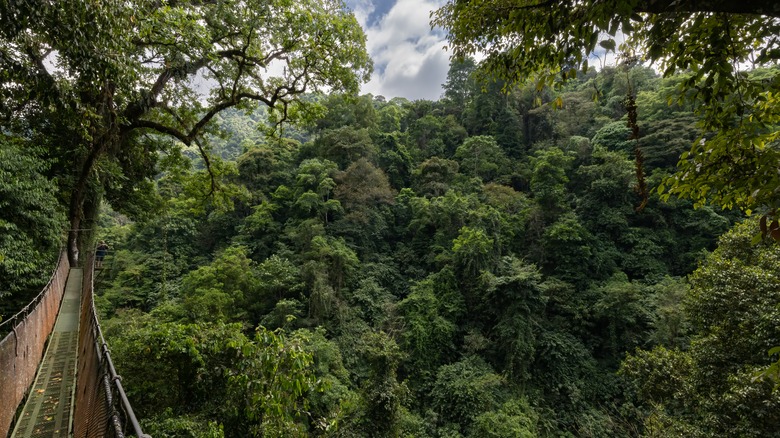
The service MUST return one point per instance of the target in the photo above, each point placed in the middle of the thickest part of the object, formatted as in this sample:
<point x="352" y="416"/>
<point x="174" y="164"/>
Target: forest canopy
<point x="734" y="162"/>
<point x="468" y="267"/>
<point x="475" y="266"/>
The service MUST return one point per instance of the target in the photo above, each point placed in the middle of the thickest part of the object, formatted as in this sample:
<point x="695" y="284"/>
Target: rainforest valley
<point x="477" y="266"/>
<point x="548" y="249"/>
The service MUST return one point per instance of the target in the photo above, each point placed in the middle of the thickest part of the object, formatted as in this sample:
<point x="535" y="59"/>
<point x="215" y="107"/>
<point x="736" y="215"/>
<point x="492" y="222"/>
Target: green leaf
<point x="609" y="44"/>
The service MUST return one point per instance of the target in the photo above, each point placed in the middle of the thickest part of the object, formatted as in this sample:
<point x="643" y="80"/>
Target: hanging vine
<point x="639" y="160"/>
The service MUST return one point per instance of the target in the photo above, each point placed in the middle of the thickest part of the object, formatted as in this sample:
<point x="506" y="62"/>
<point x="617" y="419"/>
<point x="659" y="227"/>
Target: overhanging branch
<point x="162" y="129"/>
<point x="769" y="8"/>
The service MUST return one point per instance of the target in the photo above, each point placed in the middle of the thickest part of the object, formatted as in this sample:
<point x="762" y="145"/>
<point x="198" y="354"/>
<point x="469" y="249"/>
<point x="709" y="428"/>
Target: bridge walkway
<point x="49" y="408"/>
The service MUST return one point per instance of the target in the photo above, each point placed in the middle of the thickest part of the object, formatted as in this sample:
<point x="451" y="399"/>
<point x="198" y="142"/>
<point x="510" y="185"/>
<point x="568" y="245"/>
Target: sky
<point x="409" y="57"/>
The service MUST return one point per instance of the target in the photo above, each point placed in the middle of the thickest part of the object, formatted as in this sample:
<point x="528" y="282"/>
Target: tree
<point x="548" y="182"/>
<point x="621" y="316"/>
<point x="429" y="316"/>
<point x="344" y="110"/>
<point x="491" y="112"/>
<point x="274" y="377"/>
<point x="473" y="250"/>
<point x="223" y="290"/>
<point x="181" y="369"/>
<point x="465" y="389"/>
<point x="313" y="189"/>
<point x="734" y="164"/>
<point x="516" y="418"/>
<point x="263" y="168"/>
<point x="363" y="185"/>
<point x="329" y="268"/>
<point x="382" y="394"/>
<point x="716" y="386"/>
<point x="365" y="193"/>
<point x="571" y="31"/>
<point x="105" y="93"/>
<point x="481" y="157"/>
<point x="511" y="303"/>
<point x="346" y="145"/>
<point x="460" y="83"/>
<point x="435" y="175"/>
<point x="213" y="372"/>
<point x="30" y="220"/>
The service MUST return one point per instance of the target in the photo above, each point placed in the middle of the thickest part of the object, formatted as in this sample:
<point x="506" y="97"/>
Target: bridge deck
<point x="48" y="410"/>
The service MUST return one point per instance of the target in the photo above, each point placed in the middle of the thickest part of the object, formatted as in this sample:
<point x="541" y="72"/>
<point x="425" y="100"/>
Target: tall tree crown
<point x="105" y="80"/>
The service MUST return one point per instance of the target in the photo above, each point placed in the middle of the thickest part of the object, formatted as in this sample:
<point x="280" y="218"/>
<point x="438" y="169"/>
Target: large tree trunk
<point x="76" y="210"/>
<point x="90" y="211"/>
<point x="74" y="215"/>
<point x="84" y="209"/>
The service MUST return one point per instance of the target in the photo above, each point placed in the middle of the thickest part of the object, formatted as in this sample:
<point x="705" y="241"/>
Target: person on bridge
<point x="100" y="253"/>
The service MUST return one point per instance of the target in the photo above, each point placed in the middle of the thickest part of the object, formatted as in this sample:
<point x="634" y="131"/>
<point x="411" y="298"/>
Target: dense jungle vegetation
<point x="474" y="266"/>
<point x="510" y="260"/>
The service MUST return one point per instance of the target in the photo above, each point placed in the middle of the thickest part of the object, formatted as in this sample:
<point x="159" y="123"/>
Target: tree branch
<point x="35" y="71"/>
<point x="230" y="94"/>
<point x="149" y="98"/>
<point x="162" y="129"/>
<point x="207" y="162"/>
<point x="769" y="8"/>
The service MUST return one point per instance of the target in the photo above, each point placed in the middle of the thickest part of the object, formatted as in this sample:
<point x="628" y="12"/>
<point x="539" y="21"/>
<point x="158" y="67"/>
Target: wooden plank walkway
<point x="49" y="407"/>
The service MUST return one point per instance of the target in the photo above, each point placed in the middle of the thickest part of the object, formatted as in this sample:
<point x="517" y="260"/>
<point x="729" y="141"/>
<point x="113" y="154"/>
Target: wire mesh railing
<point x="22" y="349"/>
<point x="102" y="408"/>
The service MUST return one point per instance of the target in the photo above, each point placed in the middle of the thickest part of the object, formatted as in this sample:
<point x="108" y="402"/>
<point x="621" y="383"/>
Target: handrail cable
<point x="102" y="406"/>
<point x="21" y="350"/>
<point x="34" y="302"/>
<point x="114" y="377"/>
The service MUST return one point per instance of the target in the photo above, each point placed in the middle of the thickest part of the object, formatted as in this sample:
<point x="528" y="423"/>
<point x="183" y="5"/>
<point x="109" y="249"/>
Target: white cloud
<point x="409" y="57"/>
<point x="363" y="10"/>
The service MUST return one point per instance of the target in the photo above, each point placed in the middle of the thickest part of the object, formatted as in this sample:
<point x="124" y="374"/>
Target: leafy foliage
<point x="102" y="95"/>
<point x="30" y="219"/>
<point x="712" y="388"/>
<point x="420" y="276"/>
<point x="733" y="164"/>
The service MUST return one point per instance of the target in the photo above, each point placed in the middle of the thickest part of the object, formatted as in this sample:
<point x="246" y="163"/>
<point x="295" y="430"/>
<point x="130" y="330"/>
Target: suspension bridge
<point x="56" y="374"/>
